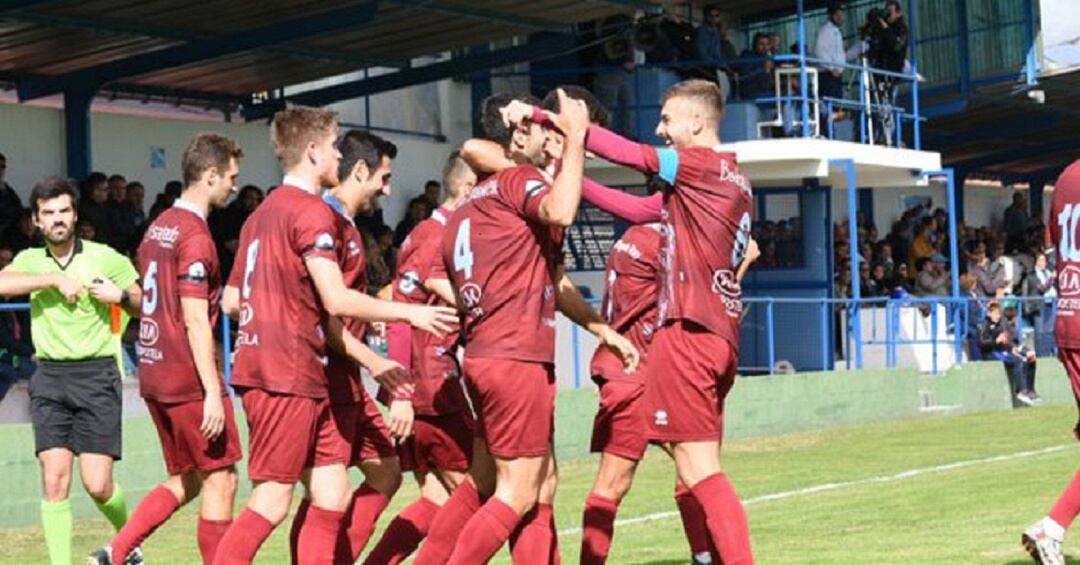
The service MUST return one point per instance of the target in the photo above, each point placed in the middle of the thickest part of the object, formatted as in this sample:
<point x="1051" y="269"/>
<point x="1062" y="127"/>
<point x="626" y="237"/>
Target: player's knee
<point x="222" y="482"/>
<point x="98" y="488"/>
<point x="55" y="485"/>
<point x="387" y="480"/>
<point x="613" y="485"/>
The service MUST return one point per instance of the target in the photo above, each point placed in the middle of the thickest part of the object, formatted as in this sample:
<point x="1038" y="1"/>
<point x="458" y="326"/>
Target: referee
<point x="75" y="395"/>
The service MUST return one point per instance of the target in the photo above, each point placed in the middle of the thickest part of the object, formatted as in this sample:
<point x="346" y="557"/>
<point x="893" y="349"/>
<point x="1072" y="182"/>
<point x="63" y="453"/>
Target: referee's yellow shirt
<point x="72" y="332"/>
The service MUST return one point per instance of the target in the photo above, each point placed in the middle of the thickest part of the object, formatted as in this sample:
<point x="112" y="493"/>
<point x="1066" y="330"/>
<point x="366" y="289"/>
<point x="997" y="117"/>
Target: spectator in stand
<point x="885" y="258"/>
<point x="432" y="196"/>
<point x="829" y="47"/>
<point x="10" y="203"/>
<point x="165" y="199"/>
<point x="921" y="245"/>
<point x="974" y="316"/>
<point x="879" y="279"/>
<point x="136" y="201"/>
<point x="755" y="74"/>
<point x="94" y="207"/>
<point x="1017" y="220"/>
<point x="21" y="233"/>
<point x="379" y="275"/>
<point x="120" y="228"/>
<point x="713" y="44"/>
<point x="414" y="215"/>
<point x="614" y="84"/>
<point x="868" y="286"/>
<point x="899" y="239"/>
<point x="999" y="341"/>
<point x="1040" y="293"/>
<point x="933" y="279"/>
<point x="1010" y="273"/>
<point x="989" y="275"/>
<point x="225" y="224"/>
<point x="899" y="280"/>
<point x="384" y="238"/>
<point x="85" y="230"/>
<point x="16" y="350"/>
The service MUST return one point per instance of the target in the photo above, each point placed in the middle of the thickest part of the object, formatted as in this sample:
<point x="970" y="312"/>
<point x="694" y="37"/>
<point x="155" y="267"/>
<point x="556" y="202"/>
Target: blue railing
<point x="889" y="333"/>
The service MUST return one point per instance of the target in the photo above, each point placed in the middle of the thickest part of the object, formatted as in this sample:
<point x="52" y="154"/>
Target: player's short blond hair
<point x="455" y="168"/>
<point x="294" y="128"/>
<point x="703" y="92"/>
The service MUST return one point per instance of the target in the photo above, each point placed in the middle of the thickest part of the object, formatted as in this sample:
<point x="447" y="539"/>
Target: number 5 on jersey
<point x="463" y="255"/>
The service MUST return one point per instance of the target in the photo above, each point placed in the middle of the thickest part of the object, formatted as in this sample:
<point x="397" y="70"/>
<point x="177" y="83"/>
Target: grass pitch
<point x="947" y="489"/>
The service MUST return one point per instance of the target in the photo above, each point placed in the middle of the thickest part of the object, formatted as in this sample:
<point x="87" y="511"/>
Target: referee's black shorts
<point x="77" y="405"/>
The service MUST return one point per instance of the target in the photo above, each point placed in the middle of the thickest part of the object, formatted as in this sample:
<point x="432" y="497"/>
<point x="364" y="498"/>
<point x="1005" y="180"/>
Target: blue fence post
<point x="826" y="339"/>
<point x="803" y="97"/>
<point x="959" y="329"/>
<point x="226" y="325"/>
<point x="890" y="333"/>
<point x="771" y="333"/>
<point x="916" y="127"/>
<point x="853" y="238"/>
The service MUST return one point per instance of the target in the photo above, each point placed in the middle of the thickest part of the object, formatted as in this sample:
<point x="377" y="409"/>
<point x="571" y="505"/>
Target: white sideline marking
<point x="911" y="473"/>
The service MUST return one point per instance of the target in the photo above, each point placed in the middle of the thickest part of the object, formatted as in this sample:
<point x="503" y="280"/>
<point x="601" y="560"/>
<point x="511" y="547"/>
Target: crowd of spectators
<point x="112" y="210"/>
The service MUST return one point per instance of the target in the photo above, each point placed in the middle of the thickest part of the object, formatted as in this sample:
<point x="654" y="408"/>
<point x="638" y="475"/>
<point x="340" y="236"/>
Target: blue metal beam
<point x="480" y="14"/>
<point x="648" y="6"/>
<point x="1008" y="130"/>
<point x="138" y="90"/>
<point x="109" y="25"/>
<point x="848" y="165"/>
<point x="280" y="32"/>
<point x="77" y="132"/>
<point x="429" y="73"/>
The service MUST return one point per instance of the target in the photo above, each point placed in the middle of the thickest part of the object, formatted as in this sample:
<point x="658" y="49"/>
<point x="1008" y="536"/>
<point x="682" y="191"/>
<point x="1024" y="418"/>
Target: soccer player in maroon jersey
<point x="502" y="250"/>
<point x="284" y="286"/>
<point x="440" y="452"/>
<point x="1043" y="539"/>
<point x="705" y="229"/>
<point x="178" y="375"/>
<point x="364" y="176"/>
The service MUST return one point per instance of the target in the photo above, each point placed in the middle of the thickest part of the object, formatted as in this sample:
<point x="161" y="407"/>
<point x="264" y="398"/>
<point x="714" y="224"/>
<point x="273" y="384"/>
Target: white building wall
<point x="32" y="138"/>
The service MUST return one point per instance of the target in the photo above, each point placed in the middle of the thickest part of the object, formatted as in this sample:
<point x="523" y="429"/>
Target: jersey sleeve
<point x="195" y="258"/>
<point x="665" y="161"/>
<point x="414" y="263"/>
<point x="119" y="269"/>
<point x="315" y="234"/>
<point x="526" y="189"/>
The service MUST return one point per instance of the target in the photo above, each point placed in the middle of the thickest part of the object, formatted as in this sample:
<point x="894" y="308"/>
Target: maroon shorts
<point x="439" y="442"/>
<point x="183" y="445"/>
<point x="288" y="434"/>
<point x="690" y="373"/>
<point x="514" y="403"/>
<point x="619" y="427"/>
<point x="364" y="435"/>
<point x="1070" y="358"/>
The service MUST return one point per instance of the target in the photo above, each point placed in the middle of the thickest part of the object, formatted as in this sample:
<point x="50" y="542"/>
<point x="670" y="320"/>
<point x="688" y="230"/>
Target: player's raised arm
<point x="340" y="300"/>
<point x="569" y="301"/>
<point x="485" y="156"/>
<point x="752" y="254"/>
<point x="633" y="209"/>
<point x="559" y="206"/>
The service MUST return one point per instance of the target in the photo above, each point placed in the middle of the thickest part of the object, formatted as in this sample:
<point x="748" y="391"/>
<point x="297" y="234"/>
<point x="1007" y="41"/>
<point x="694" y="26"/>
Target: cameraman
<point x="886" y="33"/>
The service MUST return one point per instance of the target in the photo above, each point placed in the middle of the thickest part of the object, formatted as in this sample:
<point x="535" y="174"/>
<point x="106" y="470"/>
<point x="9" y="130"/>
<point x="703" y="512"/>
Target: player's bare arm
<point x="230" y="301"/>
<point x="443" y="289"/>
<point x="569" y="301"/>
<point x="20" y="284"/>
<point x="485" y="156"/>
<point x="752" y="254"/>
<point x="106" y="292"/>
<point x="340" y="300"/>
<point x="386" y="371"/>
<point x="200" y="336"/>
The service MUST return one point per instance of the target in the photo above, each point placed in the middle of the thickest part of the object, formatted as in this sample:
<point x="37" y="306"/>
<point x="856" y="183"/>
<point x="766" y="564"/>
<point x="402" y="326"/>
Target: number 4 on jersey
<point x="463" y="255"/>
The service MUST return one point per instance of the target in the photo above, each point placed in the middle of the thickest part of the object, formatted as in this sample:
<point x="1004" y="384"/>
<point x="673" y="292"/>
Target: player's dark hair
<point x="208" y="151"/>
<point x="598" y="114"/>
<point x="117" y="178"/>
<point x="358" y="145"/>
<point x="491" y="119"/>
<point x="834" y="7"/>
<point x="52" y="187"/>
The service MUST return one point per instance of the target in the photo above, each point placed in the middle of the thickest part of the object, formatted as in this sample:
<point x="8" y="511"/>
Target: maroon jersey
<point x="629" y="305"/>
<point x="705" y="229"/>
<point x="433" y="360"/>
<point x="1065" y="237"/>
<point x="281" y="339"/>
<point x="343" y="374"/>
<point x="177" y="259"/>
<point x="501" y="259"/>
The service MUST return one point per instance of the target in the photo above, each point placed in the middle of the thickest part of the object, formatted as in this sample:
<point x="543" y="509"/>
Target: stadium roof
<point x="226" y="50"/>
